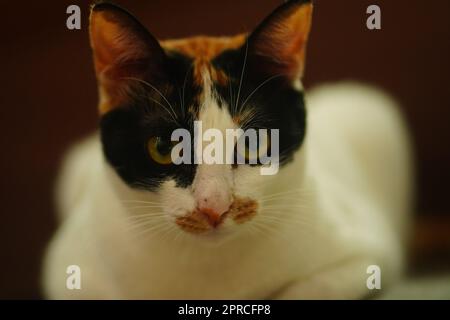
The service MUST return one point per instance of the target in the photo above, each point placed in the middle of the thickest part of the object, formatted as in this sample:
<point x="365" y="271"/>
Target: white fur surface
<point x="348" y="207"/>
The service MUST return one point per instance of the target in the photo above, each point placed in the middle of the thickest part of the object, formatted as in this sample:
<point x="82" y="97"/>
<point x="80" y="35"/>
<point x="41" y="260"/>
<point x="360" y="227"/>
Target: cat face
<point x="150" y="88"/>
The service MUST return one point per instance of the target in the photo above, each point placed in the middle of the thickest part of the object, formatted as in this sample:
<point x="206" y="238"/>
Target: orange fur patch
<point x="298" y="26"/>
<point x="286" y="41"/>
<point x="112" y="43"/>
<point x="203" y="49"/>
<point x="241" y="210"/>
<point x="195" y="222"/>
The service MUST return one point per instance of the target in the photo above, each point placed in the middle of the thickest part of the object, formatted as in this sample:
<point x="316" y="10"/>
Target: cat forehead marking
<point x="203" y="49"/>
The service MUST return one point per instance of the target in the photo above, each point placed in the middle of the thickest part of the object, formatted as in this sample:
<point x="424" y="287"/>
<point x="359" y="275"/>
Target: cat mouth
<point x="198" y="221"/>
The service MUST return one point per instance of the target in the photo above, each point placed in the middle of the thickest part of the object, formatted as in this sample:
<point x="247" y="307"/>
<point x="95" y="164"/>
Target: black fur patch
<point x="279" y="105"/>
<point x="126" y="130"/>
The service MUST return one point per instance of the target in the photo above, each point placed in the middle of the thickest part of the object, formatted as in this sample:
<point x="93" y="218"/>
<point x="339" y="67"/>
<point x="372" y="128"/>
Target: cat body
<point x="338" y="205"/>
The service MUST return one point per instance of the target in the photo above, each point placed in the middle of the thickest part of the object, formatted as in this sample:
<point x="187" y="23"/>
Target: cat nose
<point x="213" y="218"/>
<point x="213" y="201"/>
<point x="212" y="192"/>
<point x="217" y="202"/>
<point x="213" y="210"/>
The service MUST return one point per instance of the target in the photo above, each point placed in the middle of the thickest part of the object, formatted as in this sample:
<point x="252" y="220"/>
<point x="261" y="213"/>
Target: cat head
<point x="150" y="88"/>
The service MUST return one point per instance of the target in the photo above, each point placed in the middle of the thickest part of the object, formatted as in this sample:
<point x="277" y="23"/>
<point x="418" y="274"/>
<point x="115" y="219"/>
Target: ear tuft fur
<point x="278" y="45"/>
<point x="122" y="49"/>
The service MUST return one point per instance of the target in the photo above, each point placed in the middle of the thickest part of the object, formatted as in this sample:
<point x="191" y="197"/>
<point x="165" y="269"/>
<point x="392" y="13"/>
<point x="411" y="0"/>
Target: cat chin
<point x="215" y="237"/>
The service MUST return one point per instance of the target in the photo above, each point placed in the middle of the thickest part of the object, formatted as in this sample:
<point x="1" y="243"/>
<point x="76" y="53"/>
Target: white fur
<point x="340" y="206"/>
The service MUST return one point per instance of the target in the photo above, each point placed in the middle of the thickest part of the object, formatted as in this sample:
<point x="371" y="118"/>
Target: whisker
<point x="140" y="201"/>
<point x="145" y="207"/>
<point x="181" y="102"/>
<point x="289" y="192"/>
<point x="183" y="90"/>
<point x="173" y="114"/>
<point x="257" y="88"/>
<point x="242" y="76"/>
<point x="164" y="107"/>
<point x="285" y="219"/>
<point x="139" y="224"/>
<point x="145" y="231"/>
<point x="140" y="217"/>
<point x="284" y="207"/>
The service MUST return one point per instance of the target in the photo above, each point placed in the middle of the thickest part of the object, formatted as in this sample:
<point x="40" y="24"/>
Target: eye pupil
<point x="160" y="150"/>
<point x="163" y="146"/>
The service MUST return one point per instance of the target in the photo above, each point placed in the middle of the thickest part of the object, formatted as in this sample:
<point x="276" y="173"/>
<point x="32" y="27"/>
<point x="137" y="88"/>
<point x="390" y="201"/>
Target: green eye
<point x="160" y="150"/>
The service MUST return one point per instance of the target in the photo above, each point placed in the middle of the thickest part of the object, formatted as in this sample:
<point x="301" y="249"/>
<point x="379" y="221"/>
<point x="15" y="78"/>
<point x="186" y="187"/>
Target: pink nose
<point x="213" y="218"/>
<point x="212" y="193"/>
<point x="218" y="204"/>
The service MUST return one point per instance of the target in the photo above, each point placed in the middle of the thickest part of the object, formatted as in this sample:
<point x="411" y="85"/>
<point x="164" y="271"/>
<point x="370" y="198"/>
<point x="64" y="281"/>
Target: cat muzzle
<point x="212" y="217"/>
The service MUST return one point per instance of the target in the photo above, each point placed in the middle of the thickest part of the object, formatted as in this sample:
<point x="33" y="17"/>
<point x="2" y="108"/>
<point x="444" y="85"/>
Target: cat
<point x="140" y="227"/>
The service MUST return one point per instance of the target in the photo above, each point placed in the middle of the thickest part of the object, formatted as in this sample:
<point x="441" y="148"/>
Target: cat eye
<point x="160" y="150"/>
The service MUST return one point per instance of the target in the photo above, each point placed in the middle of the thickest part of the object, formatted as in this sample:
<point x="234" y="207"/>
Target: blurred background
<point x="48" y="101"/>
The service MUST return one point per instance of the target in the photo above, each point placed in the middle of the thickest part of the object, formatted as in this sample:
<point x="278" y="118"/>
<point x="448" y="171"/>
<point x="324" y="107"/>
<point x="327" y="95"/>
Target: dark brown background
<point x="48" y="98"/>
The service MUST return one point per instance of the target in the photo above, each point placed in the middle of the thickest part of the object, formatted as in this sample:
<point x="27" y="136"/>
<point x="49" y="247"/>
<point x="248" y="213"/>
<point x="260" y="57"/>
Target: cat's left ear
<point x="278" y="45"/>
<point x="123" y="50"/>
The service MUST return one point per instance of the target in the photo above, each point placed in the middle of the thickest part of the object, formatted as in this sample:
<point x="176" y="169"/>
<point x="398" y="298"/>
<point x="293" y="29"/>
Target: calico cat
<point x="141" y="227"/>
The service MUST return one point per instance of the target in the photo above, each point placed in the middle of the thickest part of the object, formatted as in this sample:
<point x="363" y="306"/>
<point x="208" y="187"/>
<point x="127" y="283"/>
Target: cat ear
<point x="278" y="45"/>
<point x="122" y="49"/>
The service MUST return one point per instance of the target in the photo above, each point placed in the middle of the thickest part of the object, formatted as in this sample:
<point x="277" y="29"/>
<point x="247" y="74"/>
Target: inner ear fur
<point x="278" y="44"/>
<point x="123" y="52"/>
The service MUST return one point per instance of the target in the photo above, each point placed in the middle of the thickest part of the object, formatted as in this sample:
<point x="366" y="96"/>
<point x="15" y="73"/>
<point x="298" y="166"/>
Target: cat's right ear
<point x="123" y="50"/>
<point x="278" y="45"/>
